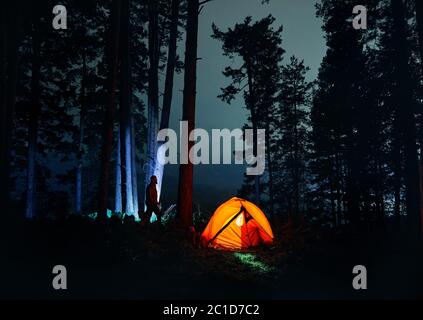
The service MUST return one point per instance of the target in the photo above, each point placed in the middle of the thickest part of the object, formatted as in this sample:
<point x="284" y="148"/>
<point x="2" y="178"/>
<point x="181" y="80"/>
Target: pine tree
<point x="259" y="47"/>
<point x="292" y="148"/>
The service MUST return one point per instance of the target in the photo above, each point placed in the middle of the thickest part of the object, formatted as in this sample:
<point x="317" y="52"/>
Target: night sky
<point x="302" y="36"/>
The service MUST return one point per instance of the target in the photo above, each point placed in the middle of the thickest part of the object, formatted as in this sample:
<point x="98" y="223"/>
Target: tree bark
<point x="186" y="171"/>
<point x="33" y="121"/>
<point x="118" y="182"/>
<point x="113" y="58"/>
<point x="153" y="90"/>
<point x="134" y="171"/>
<point x="296" y="169"/>
<point x="419" y="18"/>
<point x="10" y="28"/>
<point x="270" y="168"/>
<point x="126" y="113"/>
<point x="80" y="154"/>
<point x="253" y="111"/>
<point x="170" y="72"/>
<point x="170" y="66"/>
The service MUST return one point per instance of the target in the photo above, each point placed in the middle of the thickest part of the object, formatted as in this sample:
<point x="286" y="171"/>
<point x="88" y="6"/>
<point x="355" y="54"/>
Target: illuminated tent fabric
<point x="237" y="224"/>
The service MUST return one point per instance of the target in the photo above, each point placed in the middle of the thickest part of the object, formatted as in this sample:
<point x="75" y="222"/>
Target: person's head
<point x="153" y="180"/>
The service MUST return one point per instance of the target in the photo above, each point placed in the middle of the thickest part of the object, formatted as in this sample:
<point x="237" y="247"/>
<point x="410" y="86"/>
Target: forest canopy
<point x="81" y="109"/>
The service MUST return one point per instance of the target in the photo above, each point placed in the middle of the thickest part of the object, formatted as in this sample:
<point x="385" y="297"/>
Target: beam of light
<point x="134" y="172"/>
<point x="152" y="129"/>
<point x="159" y="168"/>
<point x="251" y="260"/>
<point x="118" y="191"/>
<point x="128" y="170"/>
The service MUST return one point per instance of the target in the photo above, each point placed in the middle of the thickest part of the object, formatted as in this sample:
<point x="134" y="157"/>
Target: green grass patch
<point x="251" y="260"/>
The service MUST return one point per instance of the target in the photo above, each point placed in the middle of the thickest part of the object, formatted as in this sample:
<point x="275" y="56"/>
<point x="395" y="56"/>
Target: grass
<point x="252" y="261"/>
<point x="115" y="260"/>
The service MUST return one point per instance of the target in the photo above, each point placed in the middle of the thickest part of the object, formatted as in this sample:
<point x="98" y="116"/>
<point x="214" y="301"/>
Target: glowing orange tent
<point x="237" y="224"/>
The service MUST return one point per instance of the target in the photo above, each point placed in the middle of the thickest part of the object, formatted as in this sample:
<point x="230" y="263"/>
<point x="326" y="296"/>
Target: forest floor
<point x="112" y="260"/>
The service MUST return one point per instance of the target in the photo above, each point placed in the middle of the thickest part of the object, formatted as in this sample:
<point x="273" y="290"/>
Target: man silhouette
<point x="151" y="201"/>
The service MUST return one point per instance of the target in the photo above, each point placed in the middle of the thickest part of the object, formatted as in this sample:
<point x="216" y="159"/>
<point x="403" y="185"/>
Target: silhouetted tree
<point x="292" y="147"/>
<point x="259" y="47"/>
<point x="403" y="100"/>
<point x="107" y="143"/>
<point x="186" y="171"/>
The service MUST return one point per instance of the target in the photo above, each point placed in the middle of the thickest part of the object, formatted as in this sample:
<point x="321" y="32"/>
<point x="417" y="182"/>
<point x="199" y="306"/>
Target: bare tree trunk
<point x="153" y="90"/>
<point x="338" y="179"/>
<point x="170" y="72"/>
<point x="33" y="121"/>
<point x="380" y="211"/>
<point x="107" y="144"/>
<point x="332" y="200"/>
<point x="186" y="171"/>
<point x="419" y="17"/>
<point x="9" y="20"/>
<point x="83" y="101"/>
<point x="118" y="183"/>
<point x="126" y="113"/>
<point x="170" y="66"/>
<point x="397" y="173"/>
<point x="255" y="152"/>
<point x="134" y="171"/>
<point x="253" y="110"/>
<point x="270" y="168"/>
<point x="296" y="170"/>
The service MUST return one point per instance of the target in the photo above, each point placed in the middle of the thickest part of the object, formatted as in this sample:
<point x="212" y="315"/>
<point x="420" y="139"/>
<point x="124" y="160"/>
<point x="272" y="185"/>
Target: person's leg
<point x="158" y="213"/>
<point x="147" y="216"/>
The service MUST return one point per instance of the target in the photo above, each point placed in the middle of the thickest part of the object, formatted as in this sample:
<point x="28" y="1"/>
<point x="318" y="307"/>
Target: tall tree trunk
<point x="255" y="153"/>
<point x="10" y="29"/>
<point x="153" y="90"/>
<point x="5" y="117"/>
<point x="380" y="211"/>
<point x="170" y="72"/>
<point x="33" y="121"/>
<point x="186" y="171"/>
<point x="296" y="169"/>
<point x="253" y="110"/>
<point x="83" y="101"/>
<point x="419" y="17"/>
<point x="397" y="172"/>
<point x="332" y="200"/>
<point x="126" y="113"/>
<point x="134" y="171"/>
<point x="270" y="168"/>
<point x="170" y="66"/>
<point x="338" y="179"/>
<point x="405" y="104"/>
<point x="113" y="58"/>
<point x="118" y="185"/>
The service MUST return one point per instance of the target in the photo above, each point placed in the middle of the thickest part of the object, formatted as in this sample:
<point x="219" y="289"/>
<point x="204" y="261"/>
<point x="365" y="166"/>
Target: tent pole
<point x="226" y="225"/>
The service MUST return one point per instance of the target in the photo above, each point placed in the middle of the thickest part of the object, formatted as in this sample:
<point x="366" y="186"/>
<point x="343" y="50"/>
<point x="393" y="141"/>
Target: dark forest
<point x="85" y="91"/>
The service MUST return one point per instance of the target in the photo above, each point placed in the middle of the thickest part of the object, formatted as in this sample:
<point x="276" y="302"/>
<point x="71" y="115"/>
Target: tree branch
<point x="204" y="2"/>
